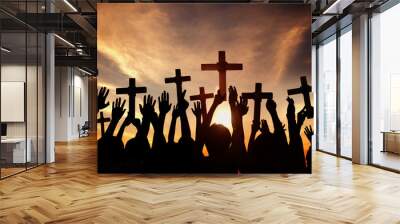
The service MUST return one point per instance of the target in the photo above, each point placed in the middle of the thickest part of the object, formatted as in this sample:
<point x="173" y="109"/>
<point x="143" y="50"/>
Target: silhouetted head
<point x="218" y="139"/>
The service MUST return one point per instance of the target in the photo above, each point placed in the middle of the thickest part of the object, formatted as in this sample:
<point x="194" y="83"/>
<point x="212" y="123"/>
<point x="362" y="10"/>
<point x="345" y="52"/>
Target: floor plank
<point x="71" y="191"/>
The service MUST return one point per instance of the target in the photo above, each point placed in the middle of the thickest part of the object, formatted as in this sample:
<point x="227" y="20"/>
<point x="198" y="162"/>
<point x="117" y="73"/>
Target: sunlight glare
<point x="223" y="116"/>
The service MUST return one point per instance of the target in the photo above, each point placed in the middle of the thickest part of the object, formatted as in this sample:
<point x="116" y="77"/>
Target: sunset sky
<point x="149" y="41"/>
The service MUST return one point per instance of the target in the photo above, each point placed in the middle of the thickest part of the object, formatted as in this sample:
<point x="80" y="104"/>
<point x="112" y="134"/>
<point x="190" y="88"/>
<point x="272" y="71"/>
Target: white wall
<point x="33" y="127"/>
<point x="71" y="103"/>
<point x="16" y="73"/>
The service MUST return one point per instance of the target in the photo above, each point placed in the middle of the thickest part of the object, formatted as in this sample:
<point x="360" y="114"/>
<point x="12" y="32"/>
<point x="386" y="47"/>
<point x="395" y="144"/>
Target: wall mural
<point x="206" y="88"/>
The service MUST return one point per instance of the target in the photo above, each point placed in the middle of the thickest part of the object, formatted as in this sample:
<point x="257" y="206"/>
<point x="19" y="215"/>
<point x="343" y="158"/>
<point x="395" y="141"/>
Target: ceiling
<point x="76" y="22"/>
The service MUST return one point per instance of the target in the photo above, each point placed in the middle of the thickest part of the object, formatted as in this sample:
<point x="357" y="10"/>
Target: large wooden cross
<point x="304" y="89"/>
<point x="222" y="66"/>
<point x="178" y="80"/>
<point x="257" y="96"/>
<point x="102" y="120"/>
<point x="131" y="91"/>
<point x="202" y="97"/>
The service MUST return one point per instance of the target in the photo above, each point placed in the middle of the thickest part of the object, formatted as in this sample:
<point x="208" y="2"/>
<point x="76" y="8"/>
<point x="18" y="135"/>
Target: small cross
<point x="102" y="120"/>
<point x="178" y="80"/>
<point x="221" y="66"/>
<point x="202" y="97"/>
<point x="304" y="89"/>
<point x="257" y="96"/>
<point x="131" y="91"/>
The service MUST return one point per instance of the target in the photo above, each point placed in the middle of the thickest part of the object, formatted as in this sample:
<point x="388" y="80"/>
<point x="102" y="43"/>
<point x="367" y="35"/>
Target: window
<point x="326" y="98"/>
<point x="385" y="89"/>
<point x="345" y="59"/>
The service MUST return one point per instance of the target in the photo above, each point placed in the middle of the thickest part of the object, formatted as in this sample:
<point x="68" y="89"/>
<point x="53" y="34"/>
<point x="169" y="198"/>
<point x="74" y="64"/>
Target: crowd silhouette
<point x="266" y="151"/>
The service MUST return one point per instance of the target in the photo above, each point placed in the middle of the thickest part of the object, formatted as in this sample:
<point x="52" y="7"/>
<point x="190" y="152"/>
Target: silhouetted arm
<point x="308" y="131"/>
<point x="242" y="110"/>
<point x="271" y="107"/>
<point x="101" y="98"/>
<point x="128" y="120"/>
<point x="197" y="113"/>
<point x="238" y="110"/>
<point x="301" y="117"/>
<point x="147" y="110"/>
<point x="218" y="99"/>
<point x="290" y="114"/>
<point x="164" y="106"/>
<point x="254" y="129"/>
<point x="116" y="114"/>
<point x="171" y="133"/>
<point x="182" y="106"/>
<point x="296" y="144"/>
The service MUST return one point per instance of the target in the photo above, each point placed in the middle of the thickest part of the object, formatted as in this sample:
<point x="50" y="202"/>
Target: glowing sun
<point x="223" y="116"/>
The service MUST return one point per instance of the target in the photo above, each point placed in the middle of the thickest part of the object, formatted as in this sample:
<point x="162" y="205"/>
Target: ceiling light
<point x="5" y="50"/>
<point x="70" y="5"/>
<point x="65" y="41"/>
<point x="84" y="71"/>
<point x="338" y="6"/>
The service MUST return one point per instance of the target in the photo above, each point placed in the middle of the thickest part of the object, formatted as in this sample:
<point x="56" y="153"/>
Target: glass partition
<point x="13" y="92"/>
<point x="41" y="97"/>
<point x="31" y="98"/>
<point x="326" y="100"/>
<point x="22" y="93"/>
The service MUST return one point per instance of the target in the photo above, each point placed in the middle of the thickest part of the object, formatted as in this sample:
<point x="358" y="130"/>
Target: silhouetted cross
<point x="102" y="120"/>
<point x="221" y="66"/>
<point x="178" y="80"/>
<point x="257" y="96"/>
<point x="304" y="89"/>
<point x="202" y="97"/>
<point x="131" y="91"/>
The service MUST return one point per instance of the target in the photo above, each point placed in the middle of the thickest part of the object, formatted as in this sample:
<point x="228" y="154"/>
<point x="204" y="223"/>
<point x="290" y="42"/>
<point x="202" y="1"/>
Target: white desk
<point x="19" y="155"/>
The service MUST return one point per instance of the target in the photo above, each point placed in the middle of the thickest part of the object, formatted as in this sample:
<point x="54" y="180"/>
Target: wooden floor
<point x="70" y="191"/>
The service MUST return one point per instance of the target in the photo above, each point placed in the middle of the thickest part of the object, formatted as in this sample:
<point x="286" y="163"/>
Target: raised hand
<point x="147" y="109"/>
<point x="264" y="127"/>
<point x="118" y="109"/>
<point x="242" y="106"/>
<point x="291" y="108"/>
<point x="196" y="109"/>
<point x="232" y="95"/>
<point x="308" y="131"/>
<point x="101" y="98"/>
<point x="219" y="98"/>
<point x="271" y="105"/>
<point x="290" y="100"/>
<point x="301" y="117"/>
<point x="116" y="115"/>
<point x="183" y="105"/>
<point x="163" y="103"/>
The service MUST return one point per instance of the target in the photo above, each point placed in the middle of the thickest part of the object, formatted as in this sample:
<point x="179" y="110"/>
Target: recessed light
<point x="5" y="50"/>
<point x="70" y="5"/>
<point x="64" y="40"/>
